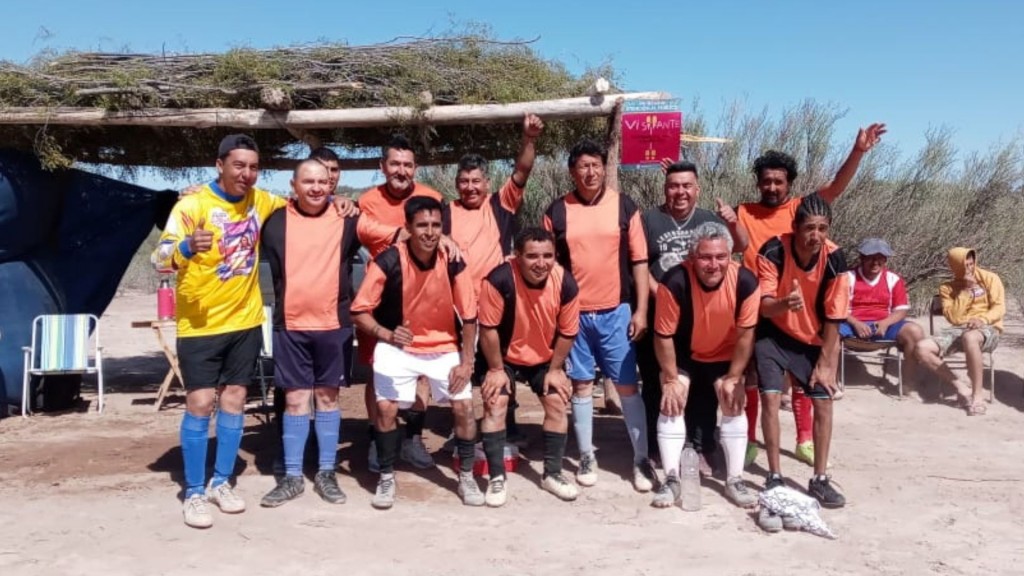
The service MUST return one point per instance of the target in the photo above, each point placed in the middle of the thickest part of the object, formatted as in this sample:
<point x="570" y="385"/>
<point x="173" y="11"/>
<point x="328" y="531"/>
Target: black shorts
<point x="776" y="353"/>
<point x="304" y="359"/>
<point x="704" y="374"/>
<point x="532" y="375"/>
<point x="211" y="361"/>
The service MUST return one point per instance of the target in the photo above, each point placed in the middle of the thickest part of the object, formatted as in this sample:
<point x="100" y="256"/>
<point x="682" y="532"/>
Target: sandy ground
<point x="930" y="490"/>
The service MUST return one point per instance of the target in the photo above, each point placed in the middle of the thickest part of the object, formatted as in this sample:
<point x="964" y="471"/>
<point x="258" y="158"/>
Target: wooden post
<point x="613" y="143"/>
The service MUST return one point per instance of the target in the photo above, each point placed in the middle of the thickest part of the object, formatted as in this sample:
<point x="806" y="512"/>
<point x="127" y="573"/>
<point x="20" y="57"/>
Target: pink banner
<point x="647" y="137"/>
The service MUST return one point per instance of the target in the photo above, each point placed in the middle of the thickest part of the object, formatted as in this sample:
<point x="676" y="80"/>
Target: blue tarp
<point x="66" y="239"/>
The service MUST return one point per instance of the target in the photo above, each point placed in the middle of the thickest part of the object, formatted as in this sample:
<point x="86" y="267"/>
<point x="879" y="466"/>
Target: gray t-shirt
<point x="668" y="239"/>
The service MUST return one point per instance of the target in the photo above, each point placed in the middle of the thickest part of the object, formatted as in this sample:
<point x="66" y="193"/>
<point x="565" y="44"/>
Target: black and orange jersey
<point x="599" y="242"/>
<point x="309" y="260"/>
<point x="529" y="318"/>
<point x="378" y="205"/>
<point x="485" y="234"/>
<point x="703" y="321"/>
<point x="825" y="288"/>
<point x="422" y="296"/>
<point x="764" y="223"/>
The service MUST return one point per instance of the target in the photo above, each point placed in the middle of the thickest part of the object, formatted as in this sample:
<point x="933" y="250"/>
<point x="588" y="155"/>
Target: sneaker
<point x="384" y="497"/>
<point x="225" y="499"/>
<point x="751" y="454"/>
<point x="645" y="478"/>
<point x="325" y="483"/>
<point x="737" y="491"/>
<point x="769" y="521"/>
<point x="371" y="458"/>
<point x="415" y="453"/>
<point x="469" y="491"/>
<point x="586" y="475"/>
<point x="822" y="490"/>
<point x="197" y="513"/>
<point x="497" y="493"/>
<point x="774" y="480"/>
<point x="804" y="452"/>
<point x="669" y="494"/>
<point x="289" y="488"/>
<point x="560" y="487"/>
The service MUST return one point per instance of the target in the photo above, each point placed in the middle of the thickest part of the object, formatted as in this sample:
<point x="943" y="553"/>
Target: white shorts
<point x="395" y="372"/>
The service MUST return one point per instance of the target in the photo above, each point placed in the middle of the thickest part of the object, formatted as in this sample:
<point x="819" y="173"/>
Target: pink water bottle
<point x="165" y="299"/>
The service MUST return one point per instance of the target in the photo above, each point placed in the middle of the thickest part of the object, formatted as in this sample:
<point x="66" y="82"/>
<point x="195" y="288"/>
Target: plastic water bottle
<point x="165" y="299"/>
<point x="690" y="482"/>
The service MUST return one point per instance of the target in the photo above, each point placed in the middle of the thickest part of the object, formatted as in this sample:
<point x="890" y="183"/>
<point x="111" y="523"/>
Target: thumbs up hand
<point x="795" y="299"/>
<point x="201" y="239"/>
<point x="402" y="335"/>
<point x="724" y="211"/>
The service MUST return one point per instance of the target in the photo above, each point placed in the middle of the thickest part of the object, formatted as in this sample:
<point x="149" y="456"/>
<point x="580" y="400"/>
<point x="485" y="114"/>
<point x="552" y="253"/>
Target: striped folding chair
<point x="61" y="345"/>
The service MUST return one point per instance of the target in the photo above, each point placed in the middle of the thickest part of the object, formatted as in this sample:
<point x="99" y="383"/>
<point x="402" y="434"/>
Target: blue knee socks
<point x="583" y="423"/>
<point x="295" y="432"/>
<point x="229" y="437"/>
<point x="327" y="432"/>
<point x="195" y="432"/>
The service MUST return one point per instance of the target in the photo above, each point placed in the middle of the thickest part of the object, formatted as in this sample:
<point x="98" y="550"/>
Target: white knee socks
<point x="733" y="433"/>
<point x="671" y="438"/>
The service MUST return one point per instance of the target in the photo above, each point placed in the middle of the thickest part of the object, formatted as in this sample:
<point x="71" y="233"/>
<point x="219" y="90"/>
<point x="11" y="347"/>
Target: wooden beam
<point x="346" y="164"/>
<point x="563" y="109"/>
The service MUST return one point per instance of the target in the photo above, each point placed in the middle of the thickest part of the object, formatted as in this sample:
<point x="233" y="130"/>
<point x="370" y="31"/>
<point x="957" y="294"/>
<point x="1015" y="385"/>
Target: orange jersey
<point x="423" y="296"/>
<point x="309" y="256"/>
<point x="528" y="318"/>
<point x="764" y="223"/>
<point x="485" y="234"/>
<point x="825" y="289"/>
<point x="378" y="205"/>
<point x="704" y="321"/>
<point x="599" y="242"/>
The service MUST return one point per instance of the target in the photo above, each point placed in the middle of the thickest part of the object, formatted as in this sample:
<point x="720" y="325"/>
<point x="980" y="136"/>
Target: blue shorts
<point x="603" y="341"/>
<point x="847" y="331"/>
<point x="305" y="359"/>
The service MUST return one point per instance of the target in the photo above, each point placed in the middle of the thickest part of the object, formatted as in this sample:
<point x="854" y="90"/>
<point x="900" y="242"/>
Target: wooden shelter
<point x="449" y="95"/>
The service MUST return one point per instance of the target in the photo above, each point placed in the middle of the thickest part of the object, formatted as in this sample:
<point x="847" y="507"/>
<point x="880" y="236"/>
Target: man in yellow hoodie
<point x="973" y="303"/>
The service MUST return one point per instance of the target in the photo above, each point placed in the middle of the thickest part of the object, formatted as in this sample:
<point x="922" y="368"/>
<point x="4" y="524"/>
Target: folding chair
<point x="859" y="347"/>
<point x="935" y="309"/>
<point x="263" y="376"/>
<point x="60" y="345"/>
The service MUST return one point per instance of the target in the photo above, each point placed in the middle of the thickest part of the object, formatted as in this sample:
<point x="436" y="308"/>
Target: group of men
<point x="454" y="296"/>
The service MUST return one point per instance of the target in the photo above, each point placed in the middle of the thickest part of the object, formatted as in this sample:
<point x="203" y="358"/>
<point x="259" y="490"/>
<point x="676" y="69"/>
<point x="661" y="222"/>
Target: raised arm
<point x="866" y="140"/>
<point x="532" y="128"/>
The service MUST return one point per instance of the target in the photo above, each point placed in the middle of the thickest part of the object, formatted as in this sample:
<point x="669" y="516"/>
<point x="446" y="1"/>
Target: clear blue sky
<point x="913" y="65"/>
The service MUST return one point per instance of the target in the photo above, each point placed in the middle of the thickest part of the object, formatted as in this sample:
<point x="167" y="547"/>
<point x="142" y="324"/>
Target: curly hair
<point x="775" y="160"/>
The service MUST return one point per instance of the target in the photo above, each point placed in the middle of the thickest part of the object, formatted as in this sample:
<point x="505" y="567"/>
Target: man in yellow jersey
<point x="212" y="240"/>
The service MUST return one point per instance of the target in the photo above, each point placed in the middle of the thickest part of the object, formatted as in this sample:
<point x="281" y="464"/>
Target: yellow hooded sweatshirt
<point x="960" y="303"/>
